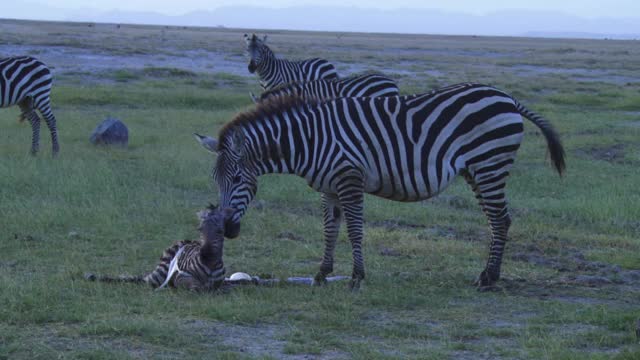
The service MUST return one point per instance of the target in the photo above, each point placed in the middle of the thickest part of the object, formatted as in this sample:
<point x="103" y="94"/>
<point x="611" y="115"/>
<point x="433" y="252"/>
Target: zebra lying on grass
<point x="191" y="265"/>
<point x="274" y="72"/>
<point x="26" y="82"/>
<point x="406" y="148"/>
<point x="366" y="85"/>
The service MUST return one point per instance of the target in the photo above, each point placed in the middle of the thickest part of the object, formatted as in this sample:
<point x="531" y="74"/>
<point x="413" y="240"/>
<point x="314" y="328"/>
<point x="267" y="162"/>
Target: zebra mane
<point x="263" y="110"/>
<point x="292" y="85"/>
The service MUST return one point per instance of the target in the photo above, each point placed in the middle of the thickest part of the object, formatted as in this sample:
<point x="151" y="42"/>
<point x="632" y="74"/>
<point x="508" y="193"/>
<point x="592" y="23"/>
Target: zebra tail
<point x="115" y="279"/>
<point x="553" y="139"/>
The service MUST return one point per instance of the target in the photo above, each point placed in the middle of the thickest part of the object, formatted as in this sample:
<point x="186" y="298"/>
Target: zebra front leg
<point x="28" y="112"/>
<point x="332" y="215"/>
<point x="186" y="282"/>
<point x="51" y="124"/>
<point x="490" y="193"/>
<point x="351" y="195"/>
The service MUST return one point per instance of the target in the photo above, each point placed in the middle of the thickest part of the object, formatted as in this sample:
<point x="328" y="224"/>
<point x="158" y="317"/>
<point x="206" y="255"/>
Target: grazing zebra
<point x="367" y="85"/>
<point x="26" y="81"/>
<point x="273" y="71"/>
<point x="192" y="265"/>
<point x="405" y="148"/>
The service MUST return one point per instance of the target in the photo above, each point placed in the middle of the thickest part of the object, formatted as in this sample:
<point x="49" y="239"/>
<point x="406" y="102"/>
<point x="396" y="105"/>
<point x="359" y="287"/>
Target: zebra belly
<point x="403" y="188"/>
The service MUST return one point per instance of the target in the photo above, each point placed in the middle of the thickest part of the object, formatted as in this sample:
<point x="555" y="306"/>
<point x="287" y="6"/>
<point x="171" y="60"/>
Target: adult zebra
<point x="273" y="71"/>
<point x="365" y="85"/>
<point x="26" y="81"/>
<point x="405" y="148"/>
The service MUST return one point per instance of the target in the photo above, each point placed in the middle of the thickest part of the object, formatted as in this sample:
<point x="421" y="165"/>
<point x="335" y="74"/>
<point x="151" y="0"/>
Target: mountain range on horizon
<point x="355" y="19"/>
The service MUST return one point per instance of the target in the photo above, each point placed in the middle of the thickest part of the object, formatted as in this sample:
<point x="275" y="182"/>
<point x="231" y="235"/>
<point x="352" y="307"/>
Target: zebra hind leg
<point x="351" y="197"/>
<point x="47" y="114"/>
<point x="332" y="215"/>
<point x="489" y="189"/>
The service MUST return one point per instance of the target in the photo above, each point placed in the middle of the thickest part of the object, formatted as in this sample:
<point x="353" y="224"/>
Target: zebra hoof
<point x="354" y="284"/>
<point x="486" y="280"/>
<point x="90" y="277"/>
<point x="319" y="280"/>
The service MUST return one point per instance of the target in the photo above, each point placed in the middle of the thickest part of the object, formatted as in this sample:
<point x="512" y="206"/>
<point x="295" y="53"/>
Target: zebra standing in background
<point x="273" y="71"/>
<point x="405" y="148"/>
<point x="366" y="85"/>
<point x="26" y="81"/>
<point x="191" y="265"/>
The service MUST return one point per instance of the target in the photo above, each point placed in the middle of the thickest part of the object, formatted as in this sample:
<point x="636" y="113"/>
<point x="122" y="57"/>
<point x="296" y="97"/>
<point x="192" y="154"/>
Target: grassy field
<point x="571" y="287"/>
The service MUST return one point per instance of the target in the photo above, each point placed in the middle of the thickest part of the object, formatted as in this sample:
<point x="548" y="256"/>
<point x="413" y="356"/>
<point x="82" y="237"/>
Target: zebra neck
<point x="276" y="144"/>
<point x="211" y="250"/>
<point x="268" y="72"/>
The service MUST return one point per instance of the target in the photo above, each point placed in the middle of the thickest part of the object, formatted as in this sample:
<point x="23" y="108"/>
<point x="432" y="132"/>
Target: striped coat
<point x="366" y="85"/>
<point x="273" y="71"/>
<point x="191" y="265"/>
<point x="26" y="82"/>
<point x="402" y="148"/>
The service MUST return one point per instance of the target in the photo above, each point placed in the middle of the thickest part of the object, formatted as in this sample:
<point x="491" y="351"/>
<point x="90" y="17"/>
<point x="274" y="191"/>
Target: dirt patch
<point x="385" y="251"/>
<point x="290" y="236"/>
<point x="579" y="280"/>
<point x="577" y="74"/>
<point x="263" y="340"/>
<point x="613" y="153"/>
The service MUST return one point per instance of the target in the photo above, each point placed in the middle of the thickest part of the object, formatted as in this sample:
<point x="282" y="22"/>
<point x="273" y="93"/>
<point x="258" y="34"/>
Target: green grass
<point x="112" y="211"/>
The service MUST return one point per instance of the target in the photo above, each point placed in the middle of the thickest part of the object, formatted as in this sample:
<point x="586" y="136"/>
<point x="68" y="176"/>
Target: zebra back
<point x="22" y="77"/>
<point x="366" y="85"/>
<point x="159" y="275"/>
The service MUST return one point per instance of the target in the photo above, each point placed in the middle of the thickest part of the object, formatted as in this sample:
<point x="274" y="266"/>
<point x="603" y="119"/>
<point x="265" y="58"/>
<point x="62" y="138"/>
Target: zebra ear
<point x="264" y="38"/>
<point x="207" y="142"/>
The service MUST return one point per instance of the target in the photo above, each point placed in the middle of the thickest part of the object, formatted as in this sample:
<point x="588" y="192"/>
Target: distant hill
<point x="510" y="22"/>
<point x="327" y="18"/>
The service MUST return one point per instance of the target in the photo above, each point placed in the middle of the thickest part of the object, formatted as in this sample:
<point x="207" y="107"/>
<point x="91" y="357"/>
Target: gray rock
<point x="110" y="132"/>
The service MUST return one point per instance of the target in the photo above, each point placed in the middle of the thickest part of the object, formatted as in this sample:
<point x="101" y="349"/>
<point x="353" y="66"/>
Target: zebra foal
<point x="403" y="148"/>
<point x="273" y="71"/>
<point x="190" y="265"/>
<point x="26" y="82"/>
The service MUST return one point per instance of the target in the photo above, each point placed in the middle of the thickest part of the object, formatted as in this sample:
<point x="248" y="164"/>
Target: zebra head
<point x="256" y="51"/>
<point x="212" y="224"/>
<point x="237" y="180"/>
<point x="212" y="221"/>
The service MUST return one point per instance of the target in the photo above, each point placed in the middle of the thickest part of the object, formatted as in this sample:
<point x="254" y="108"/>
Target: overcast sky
<point x="583" y="8"/>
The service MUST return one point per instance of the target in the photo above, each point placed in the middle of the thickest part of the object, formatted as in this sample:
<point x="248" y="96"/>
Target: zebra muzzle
<point x="252" y="66"/>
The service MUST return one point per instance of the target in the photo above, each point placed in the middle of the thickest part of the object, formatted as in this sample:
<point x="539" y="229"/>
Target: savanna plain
<point x="571" y="273"/>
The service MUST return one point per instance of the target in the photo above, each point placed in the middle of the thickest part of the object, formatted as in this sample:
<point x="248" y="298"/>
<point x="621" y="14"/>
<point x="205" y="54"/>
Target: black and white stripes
<point x="273" y="71"/>
<point x="191" y="265"/>
<point x="26" y="82"/>
<point x="366" y="85"/>
<point x="405" y="148"/>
